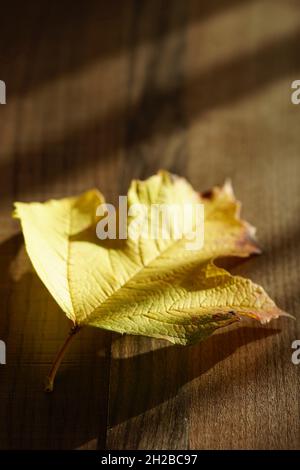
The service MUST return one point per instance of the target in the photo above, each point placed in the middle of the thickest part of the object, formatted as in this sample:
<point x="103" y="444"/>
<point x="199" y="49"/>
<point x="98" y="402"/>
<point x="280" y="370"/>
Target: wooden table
<point x="103" y="92"/>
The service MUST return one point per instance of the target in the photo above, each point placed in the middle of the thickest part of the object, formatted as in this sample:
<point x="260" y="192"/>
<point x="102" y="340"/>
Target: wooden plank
<point x="242" y="122"/>
<point x="54" y="142"/>
<point x="232" y="118"/>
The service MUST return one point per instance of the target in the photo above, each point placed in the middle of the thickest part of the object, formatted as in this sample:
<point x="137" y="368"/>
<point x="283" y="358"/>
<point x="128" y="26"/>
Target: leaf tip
<point x="227" y="189"/>
<point x="247" y="241"/>
<point x="15" y="211"/>
<point x="267" y="315"/>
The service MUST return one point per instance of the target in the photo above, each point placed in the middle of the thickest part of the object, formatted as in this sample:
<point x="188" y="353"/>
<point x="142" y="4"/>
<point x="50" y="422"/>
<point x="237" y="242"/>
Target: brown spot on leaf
<point x="208" y="194"/>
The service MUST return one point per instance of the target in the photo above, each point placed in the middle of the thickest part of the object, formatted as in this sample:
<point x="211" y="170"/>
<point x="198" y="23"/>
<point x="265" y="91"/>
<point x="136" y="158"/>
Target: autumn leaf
<point x="140" y="285"/>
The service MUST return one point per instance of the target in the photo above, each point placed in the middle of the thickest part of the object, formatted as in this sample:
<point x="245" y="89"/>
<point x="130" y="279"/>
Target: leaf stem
<point x="49" y="380"/>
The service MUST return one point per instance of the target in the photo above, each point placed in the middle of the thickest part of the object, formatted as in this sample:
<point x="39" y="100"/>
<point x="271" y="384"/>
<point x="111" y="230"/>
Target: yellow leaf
<point x="139" y="285"/>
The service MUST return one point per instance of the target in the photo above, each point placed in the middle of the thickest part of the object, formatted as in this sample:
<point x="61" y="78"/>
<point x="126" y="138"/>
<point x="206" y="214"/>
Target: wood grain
<point x="98" y="94"/>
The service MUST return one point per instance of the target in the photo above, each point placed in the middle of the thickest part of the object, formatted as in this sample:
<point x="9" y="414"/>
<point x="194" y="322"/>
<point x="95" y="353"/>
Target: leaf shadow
<point x="89" y="235"/>
<point x="150" y="379"/>
<point x="8" y="250"/>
